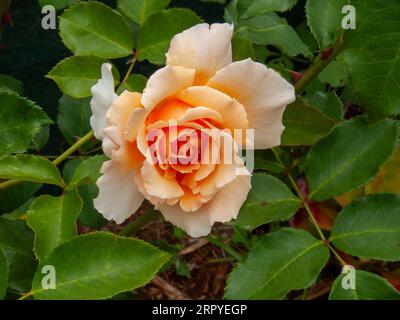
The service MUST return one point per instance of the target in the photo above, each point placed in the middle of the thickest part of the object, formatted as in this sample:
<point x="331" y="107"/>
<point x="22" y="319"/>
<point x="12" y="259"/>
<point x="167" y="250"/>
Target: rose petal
<point x="122" y="107"/>
<point x="232" y="112"/>
<point x="103" y="97"/>
<point x="166" y="82"/>
<point x="263" y="93"/>
<point x="157" y="185"/>
<point x="223" y="207"/>
<point x="204" y="48"/>
<point x="119" y="196"/>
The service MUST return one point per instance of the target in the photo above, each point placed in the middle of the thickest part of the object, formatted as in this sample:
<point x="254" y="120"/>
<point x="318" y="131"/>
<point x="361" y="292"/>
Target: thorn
<point x="326" y="53"/>
<point x="296" y="76"/>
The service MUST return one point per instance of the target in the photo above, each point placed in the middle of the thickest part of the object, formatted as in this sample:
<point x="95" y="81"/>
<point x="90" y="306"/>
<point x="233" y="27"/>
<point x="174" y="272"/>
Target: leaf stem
<point x="309" y="211"/>
<point x="228" y="249"/>
<point x="319" y="65"/>
<point x="135" y="226"/>
<point x="128" y="73"/>
<point x="58" y="160"/>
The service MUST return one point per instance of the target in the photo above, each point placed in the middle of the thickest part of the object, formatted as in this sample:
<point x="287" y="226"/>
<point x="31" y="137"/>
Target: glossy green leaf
<point x="135" y="83"/>
<point x="370" y="228"/>
<point x="139" y="10"/>
<point x="3" y="275"/>
<point x="325" y="20"/>
<point x="88" y="171"/>
<point x="20" y="121"/>
<point x="156" y="33"/>
<point x="270" y="29"/>
<point x="349" y="157"/>
<point x="25" y="167"/>
<point x="369" y="286"/>
<point x="53" y="220"/>
<point x="265" y="160"/>
<point x="258" y="7"/>
<point x="41" y="139"/>
<point x="85" y="30"/>
<point x="269" y="200"/>
<point x="9" y="83"/>
<point x="74" y="119"/>
<point x="16" y="243"/>
<point x="327" y="102"/>
<point x="305" y="124"/>
<point x="119" y="264"/>
<point x="76" y="75"/>
<point x="372" y="56"/>
<point x="284" y="260"/>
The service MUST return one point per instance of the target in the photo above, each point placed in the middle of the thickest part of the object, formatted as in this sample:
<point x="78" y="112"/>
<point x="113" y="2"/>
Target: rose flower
<point x="165" y="144"/>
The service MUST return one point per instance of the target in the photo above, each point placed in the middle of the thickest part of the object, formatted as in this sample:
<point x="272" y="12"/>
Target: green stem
<point x="308" y="209"/>
<point x="128" y="73"/>
<point x="58" y="160"/>
<point x="135" y="226"/>
<point x="228" y="249"/>
<point x="319" y="65"/>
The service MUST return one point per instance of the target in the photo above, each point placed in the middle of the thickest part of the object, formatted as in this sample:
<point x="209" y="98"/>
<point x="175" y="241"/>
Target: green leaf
<point x="270" y="29"/>
<point x="14" y="196"/>
<point x="82" y="263"/>
<point x="305" y="125"/>
<point x="284" y="260"/>
<point x="58" y="4"/>
<point x="259" y="7"/>
<point x="89" y="216"/>
<point x="349" y="157"/>
<point x="327" y="102"/>
<point x="9" y="83"/>
<point x="156" y="33"/>
<point x="369" y="286"/>
<point x="16" y="243"/>
<point x="269" y="200"/>
<point x="372" y="56"/>
<point x="53" y="220"/>
<point x="3" y="275"/>
<point x="74" y="119"/>
<point x="242" y="49"/>
<point x="85" y="30"/>
<point x="20" y="121"/>
<point x="370" y="228"/>
<point x="335" y="74"/>
<point x="265" y="160"/>
<point x="88" y="171"/>
<point x="325" y="20"/>
<point x="139" y="10"/>
<point x="25" y="167"/>
<point x="135" y="83"/>
<point x="41" y="139"/>
<point x="76" y="75"/>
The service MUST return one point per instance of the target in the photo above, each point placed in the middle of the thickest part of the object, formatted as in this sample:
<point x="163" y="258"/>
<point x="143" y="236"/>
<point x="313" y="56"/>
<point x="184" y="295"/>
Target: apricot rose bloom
<point x="200" y="88"/>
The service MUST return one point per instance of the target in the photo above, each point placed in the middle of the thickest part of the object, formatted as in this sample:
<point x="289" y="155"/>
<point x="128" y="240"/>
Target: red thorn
<point x="296" y="76"/>
<point x="7" y="20"/>
<point x="302" y="184"/>
<point x="326" y="53"/>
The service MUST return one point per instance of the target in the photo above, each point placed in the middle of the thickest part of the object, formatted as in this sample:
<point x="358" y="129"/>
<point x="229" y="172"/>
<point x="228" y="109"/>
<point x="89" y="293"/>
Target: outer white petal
<point x="263" y="93"/>
<point x="166" y="82"/>
<point x="223" y="207"/>
<point x="204" y="48"/>
<point x="103" y="96"/>
<point x="119" y="196"/>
